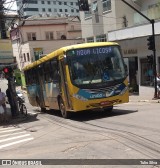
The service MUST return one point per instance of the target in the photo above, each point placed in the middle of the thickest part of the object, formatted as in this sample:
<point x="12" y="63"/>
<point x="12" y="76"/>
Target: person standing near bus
<point x="3" y="104"/>
<point x="10" y="101"/>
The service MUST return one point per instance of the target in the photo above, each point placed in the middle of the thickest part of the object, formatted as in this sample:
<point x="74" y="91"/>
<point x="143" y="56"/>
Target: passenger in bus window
<point x="79" y="70"/>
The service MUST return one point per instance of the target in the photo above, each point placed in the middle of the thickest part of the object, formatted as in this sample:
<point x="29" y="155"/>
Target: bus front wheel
<point x="109" y="109"/>
<point x="64" y="113"/>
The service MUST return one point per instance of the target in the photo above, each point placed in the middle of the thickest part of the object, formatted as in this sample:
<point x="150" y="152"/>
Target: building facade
<point x="37" y="37"/>
<point x="115" y="21"/>
<point x="47" y="8"/>
<point x="6" y="52"/>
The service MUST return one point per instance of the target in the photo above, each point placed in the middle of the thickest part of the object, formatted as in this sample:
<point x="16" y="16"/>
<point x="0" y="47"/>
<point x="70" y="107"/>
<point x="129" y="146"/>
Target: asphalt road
<point x="131" y="131"/>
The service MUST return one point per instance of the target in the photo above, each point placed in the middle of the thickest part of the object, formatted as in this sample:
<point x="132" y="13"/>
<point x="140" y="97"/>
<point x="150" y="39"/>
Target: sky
<point x="12" y="5"/>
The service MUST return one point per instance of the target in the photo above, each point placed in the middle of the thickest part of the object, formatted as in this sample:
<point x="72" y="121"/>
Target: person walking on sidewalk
<point x="3" y="104"/>
<point x="158" y="86"/>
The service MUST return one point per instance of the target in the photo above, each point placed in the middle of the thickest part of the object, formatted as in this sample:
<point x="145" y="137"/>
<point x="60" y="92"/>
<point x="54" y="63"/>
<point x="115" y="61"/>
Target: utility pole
<point x="8" y="71"/>
<point x="153" y="49"/>
<point x="2" y="21"/>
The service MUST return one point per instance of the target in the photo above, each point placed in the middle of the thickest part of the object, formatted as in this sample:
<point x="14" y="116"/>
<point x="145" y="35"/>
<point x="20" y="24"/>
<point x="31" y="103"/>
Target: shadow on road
<point x="91" y="115"/>
<point x="20" y="119"/>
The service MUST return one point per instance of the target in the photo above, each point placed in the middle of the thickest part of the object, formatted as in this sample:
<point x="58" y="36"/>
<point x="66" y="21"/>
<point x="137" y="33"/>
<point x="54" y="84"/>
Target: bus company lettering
<point x="99" y="95"/>
<point x="99" y="50"/>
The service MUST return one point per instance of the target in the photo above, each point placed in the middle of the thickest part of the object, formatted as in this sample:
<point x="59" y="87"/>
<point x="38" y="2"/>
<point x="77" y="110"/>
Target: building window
<point x="32" y="2"/>
<point x="66" y="10"/>
<point x="49" y="35"/>
<point x="30" y="9"/>
<point x="71" y="3"/>
<point x="55" y="10"/>
<point x="106" y="5"/>
<point x="101" y="38"/>
<point x="54" y="2"/>
<point x="49" y="10"/>
<point x="77" y="10"/>
<point x="90" y="39"/>
<point x="60" y="10"/>
<point x="48" y="2"/>
<point x="88" y="14"/>
<point x="76" y="3"/>
<point x="72" y="10"/>
<point x="60" y="3"/>
<point x="31" y="36"/>
<point x="42" y="2"/>
<point x="28" y="57"/>
<point x="65" y="3"/>
<point x="24" y="56"/>
<point x="43" y="9"/>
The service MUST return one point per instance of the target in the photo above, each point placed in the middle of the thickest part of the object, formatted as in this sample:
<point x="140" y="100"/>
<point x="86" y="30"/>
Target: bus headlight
<point x="123" y="91"/>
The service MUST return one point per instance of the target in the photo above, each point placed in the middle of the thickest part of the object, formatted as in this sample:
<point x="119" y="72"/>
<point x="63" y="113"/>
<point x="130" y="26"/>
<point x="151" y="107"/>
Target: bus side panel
<point x="32" y="93"/>
<point x="51" y="93"/>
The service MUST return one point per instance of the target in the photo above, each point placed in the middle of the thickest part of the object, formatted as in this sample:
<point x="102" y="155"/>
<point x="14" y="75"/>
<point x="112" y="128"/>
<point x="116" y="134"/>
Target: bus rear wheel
<point x="64" y="113"/>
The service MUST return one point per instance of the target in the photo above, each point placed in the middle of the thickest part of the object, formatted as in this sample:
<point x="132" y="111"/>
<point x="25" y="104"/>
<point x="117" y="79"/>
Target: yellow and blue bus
<point x="79" y="77"/>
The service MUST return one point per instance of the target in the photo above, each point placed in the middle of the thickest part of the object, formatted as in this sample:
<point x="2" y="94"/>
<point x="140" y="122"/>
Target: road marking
<point x="6" y="128"/>
<point x="13" y="143"/>
<point x="8" y="139"/>
<point x="16" y="129"/>
<point x="12" y="134"/>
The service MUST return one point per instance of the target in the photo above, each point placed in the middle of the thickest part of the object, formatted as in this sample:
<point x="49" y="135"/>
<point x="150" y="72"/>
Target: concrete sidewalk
<point x="140" y="98"/>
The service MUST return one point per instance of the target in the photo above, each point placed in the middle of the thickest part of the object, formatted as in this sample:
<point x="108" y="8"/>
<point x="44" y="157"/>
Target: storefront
<point x="140" y="69"/>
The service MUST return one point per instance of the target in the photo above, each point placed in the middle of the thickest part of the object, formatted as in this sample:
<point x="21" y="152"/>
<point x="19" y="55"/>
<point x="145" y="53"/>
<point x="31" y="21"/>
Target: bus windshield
<point x="96" y="65"/>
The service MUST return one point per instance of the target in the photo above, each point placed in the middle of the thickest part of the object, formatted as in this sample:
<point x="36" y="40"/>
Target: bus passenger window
<point x="54" y="70"/>
<point x="47" y="72"/>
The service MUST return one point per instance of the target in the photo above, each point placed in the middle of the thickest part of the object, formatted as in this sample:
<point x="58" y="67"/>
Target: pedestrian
<point x="158" y="86"/>
<point x="10" y="101"/>
<point x="3" y="104"/>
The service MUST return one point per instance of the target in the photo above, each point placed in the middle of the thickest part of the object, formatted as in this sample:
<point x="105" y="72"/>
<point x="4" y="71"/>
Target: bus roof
<point x="64" y="49"/>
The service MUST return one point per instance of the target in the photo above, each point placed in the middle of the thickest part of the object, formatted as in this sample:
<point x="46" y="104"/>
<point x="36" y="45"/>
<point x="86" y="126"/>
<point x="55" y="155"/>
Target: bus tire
<point x="64" y="113"/>
<point x="109" y="109"/>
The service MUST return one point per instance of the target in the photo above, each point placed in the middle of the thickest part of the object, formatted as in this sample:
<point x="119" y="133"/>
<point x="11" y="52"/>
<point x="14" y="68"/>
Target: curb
<point x="147" y="101"/>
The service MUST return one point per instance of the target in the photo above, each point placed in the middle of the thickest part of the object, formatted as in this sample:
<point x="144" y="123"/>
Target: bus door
<point x="64" y="85"/>
<point x="40" y="87"/>
<point x="53" y="89"/>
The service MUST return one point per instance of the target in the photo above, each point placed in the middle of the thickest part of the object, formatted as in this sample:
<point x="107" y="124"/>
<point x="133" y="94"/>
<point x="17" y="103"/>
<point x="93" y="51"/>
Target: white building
<point x="28" y="8"/>
<point x="40" y="36"/>
<point x="113" y="20"/>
